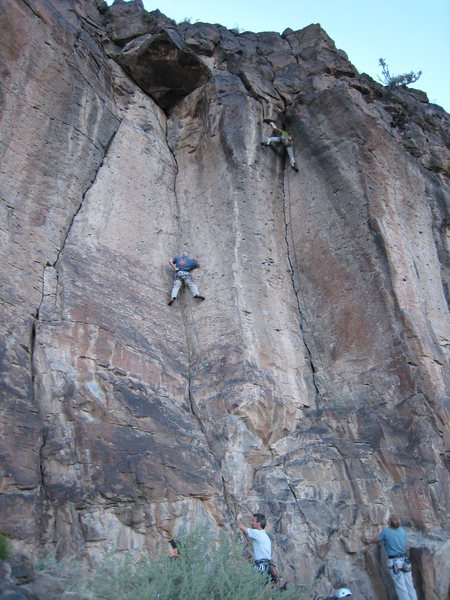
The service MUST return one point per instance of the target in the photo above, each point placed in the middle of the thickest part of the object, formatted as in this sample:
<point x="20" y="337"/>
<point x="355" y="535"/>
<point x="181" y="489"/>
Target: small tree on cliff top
<point x="396" y="80"/>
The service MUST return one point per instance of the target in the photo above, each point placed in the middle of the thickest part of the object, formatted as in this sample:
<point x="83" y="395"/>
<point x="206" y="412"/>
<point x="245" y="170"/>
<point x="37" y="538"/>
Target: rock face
<point x="311" y="385"/>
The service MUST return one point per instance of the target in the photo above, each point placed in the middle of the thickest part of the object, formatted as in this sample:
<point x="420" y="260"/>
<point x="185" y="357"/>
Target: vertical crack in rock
<point x="33" y="370"/>
<point x="299" y="508"/>
<point x="356" y="496"/>
<point x="174" y="189"/>
<point x="88" y="187"/>
<point x="195" y="412"/>
<point x="297" y="290"/>
<point x="192" y="404"/>
<point x="193" y="407"/>
<point x="53" y="265"/>
<point x="38" y="311"/>
<point x="33" y="9"/>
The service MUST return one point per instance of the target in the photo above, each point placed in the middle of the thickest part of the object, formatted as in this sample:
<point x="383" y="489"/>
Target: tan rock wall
<point x="57" y="117"/>
<point x="311" y="384"/>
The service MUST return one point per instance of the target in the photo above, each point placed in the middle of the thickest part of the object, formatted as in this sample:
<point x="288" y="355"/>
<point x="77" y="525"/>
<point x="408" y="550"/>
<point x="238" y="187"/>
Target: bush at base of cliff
<point x="4" y="546"/>
<point x="205" y="570"/>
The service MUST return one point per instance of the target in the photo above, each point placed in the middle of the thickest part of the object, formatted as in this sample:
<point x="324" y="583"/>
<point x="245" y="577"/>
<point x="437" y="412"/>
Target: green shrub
<point x="48" y="564"/>
<point x="206" y="570"/>
<point x="396" y="80"/>
<point x="4" y="546"/>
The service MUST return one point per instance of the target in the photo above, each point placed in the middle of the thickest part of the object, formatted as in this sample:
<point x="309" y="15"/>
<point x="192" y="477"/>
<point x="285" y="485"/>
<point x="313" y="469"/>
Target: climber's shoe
<point x="200" y="298"/>
<point x="295" y="168"/>
<point x="171" y="301"/>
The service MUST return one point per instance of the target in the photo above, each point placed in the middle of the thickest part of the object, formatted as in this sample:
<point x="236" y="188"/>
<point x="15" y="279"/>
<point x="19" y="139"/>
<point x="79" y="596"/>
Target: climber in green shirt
<point x="286" y="139"/>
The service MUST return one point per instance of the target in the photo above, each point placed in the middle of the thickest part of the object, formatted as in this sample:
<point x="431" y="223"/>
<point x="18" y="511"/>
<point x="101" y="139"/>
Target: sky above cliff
<point x="411" y="35"/>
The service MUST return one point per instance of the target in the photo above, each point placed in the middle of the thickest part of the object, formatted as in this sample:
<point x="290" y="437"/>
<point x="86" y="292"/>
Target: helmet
<point x="343" y="593"/>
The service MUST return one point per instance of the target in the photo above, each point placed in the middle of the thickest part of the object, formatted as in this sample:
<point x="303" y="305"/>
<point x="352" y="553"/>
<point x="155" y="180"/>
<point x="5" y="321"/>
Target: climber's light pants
<point x="183" y="277"/>
<point x="286" y="143"/>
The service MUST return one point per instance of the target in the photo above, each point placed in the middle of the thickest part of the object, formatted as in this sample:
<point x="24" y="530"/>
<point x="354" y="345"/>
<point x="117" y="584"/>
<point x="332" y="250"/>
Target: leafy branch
<point x="396" y="80"/>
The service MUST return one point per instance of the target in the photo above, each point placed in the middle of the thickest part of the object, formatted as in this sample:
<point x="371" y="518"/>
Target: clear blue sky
<point x="411" y="35"/>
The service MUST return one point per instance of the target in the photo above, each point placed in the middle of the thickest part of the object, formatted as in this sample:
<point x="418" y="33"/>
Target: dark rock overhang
<point x="163" y="66"/>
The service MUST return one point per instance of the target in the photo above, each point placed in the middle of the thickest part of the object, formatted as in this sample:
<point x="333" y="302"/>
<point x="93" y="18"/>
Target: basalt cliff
<point x="310" y="385"/>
